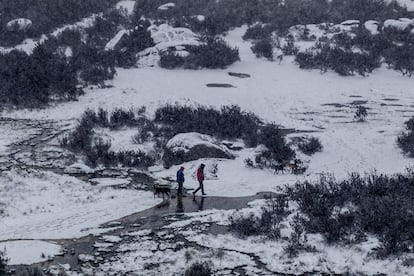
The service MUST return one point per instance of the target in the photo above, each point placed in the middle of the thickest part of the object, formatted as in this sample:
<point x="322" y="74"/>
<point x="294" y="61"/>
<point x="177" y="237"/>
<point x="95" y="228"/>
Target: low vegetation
<point x="59" y="68"/>
<point x="342" y="61"/>
<point x="361" y="113"/>
<point x="406" y="139"/>
<point x="45" y="15"/>
<point x="3" y="264"/>
<point x="310" y="146"/>
<point x="263" y="48"/>
<point x="213" y="53"/>
<point x="267" y="224"/>
<point x="348" y="210"/>
<point x="229" y="122"/>
<point x="98" y="151"/>
<point x="343" y="212"/>
<point x="278" y="15"/>
<point x="199" y="269"/>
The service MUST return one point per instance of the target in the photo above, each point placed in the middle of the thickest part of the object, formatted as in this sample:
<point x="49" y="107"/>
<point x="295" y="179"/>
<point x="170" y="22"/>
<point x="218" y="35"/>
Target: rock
<point x="78" y="168"/>
<point x="19" y="24"/>
<point x="239" y="75"/>
<point x="223" y="85"/>
<point x="192" y="146"/>
<point x="233" y="145"/>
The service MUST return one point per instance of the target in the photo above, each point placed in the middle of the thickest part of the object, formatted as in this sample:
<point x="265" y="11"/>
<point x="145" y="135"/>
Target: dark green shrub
<point x="3" y="264"/>
<point x="96" y="150"/>
<point x="361" y="113"/>
<point x="268" y="223"/>
<point x="263" y="48"/>
<point x="271" y="136"/>
<point x="228" y="122"/>
<point x="32" y="81"/>
<point x="258" y="32"/>
<point x="342" y="61"/>
<point x="347" y="210"/>
<point x="212" y="54"/>
<point x="199" y="269"/>
<point x="406" y="139"/>
<point x="310" y="146"/>
<point x="46" y="16"/>
<point x="170" y="60"/>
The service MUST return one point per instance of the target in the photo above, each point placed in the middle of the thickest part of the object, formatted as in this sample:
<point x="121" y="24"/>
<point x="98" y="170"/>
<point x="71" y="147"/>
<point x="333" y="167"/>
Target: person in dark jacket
<point x="180" y="181"/>
<point x="200" y="178"/>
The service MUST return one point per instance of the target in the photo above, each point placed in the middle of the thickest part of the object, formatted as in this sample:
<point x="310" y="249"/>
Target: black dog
<point x="162" y="190"/>
<point x="278" y="168"/>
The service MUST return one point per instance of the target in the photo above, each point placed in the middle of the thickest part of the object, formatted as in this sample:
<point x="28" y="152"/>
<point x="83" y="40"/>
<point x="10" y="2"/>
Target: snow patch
<point x="20" y="24"/>
<point x="26" y="252"/>
<point x="166" y="6"/>
<point x="372" y="26"/>
<point x="186" y="141"/>
<point x="79" y="168"/>
<point x="127" y="5"/>
<point x="115" y="40"/>
<point x="399" y="24"/>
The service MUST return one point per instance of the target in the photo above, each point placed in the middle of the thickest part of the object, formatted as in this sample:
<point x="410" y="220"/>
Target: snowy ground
<point x="49" y="205"/>
<point x="305" y="100"/>
<point x="189" y="238"/>
<point x="34" y="251"/>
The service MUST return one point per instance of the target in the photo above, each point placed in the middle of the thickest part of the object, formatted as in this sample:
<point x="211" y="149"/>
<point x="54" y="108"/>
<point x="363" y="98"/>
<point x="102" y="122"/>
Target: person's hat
<point x="202" y="165"/>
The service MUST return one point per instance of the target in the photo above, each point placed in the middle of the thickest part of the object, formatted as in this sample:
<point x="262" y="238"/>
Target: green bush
<point x="96" y="150"/>
<point x="3" y="264"/>
<point x="199" y="269"/>
<point x="170" y="60"/>
<point x="346" y="210"/>
<point x="406" y="139"/>
<point x="263" y="48"/>
<point x="310" y="146"/>
<point x="267" y="224"/>
<point x="46" y="15"/>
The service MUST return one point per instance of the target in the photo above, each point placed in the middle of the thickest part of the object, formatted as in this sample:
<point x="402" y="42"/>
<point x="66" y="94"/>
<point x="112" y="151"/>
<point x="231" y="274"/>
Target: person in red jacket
<point x="200" y="178"/>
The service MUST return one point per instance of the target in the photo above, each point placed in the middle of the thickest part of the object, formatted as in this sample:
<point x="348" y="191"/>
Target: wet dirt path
<point x="152" y="219"/>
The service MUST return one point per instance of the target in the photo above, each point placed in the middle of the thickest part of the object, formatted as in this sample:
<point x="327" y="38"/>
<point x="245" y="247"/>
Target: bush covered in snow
<point x="278" y="15"/>
<point x="342" y="61"/>
<point x="54" y="71"/>
<point x="45" y="16"/>
<point x="3" y="263"/>
<point x="258" y="32"/>
<point x="98" y="151"/>
<point x="33" y="80"/>
<point x="170" y="60"/>
<point x="263" y="48"/>
<point x="310" y="146"/>
<point x="213" y="53"/>
<point x="267" y="223"/>
<point x="345" y="211"/>
<point x="275" y="152"/>
<point x="229" y="122"/>
<point x="406" y="139"/>
<point x="361" y="113"/>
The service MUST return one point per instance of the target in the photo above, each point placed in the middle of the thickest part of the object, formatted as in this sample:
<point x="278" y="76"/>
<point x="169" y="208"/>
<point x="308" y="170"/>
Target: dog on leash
<point x="162" y="190"/>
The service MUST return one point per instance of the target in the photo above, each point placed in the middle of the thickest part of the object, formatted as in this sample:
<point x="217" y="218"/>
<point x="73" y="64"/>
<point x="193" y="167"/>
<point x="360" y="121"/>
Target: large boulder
<point x="192" y="146"/>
